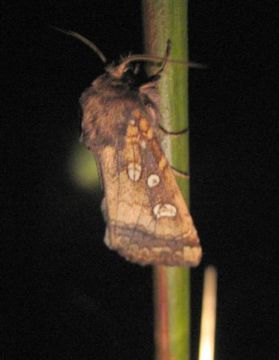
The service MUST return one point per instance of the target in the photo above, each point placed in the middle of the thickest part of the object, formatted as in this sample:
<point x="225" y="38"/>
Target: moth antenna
<point x="157" y="59"/>
<point x="84" y="40"/>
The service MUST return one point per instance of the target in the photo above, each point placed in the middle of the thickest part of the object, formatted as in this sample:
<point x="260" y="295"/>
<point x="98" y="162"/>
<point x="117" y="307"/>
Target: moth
<point x="148" y="221"/>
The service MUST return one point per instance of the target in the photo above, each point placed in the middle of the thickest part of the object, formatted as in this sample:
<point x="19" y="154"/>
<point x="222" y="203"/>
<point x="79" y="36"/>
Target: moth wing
<point x="148" y="220"/>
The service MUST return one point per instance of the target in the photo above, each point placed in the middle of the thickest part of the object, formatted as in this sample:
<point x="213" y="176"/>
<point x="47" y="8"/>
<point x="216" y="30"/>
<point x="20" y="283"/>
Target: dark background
<point x="66" y="295"/>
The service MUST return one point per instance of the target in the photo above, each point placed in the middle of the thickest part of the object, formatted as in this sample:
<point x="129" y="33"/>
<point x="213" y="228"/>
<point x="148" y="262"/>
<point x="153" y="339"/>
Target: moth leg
<point x="181" y="174"/>
<point x="155" y="77"/>
<point x="174" y="134"/>
<point x="165" y="60"/>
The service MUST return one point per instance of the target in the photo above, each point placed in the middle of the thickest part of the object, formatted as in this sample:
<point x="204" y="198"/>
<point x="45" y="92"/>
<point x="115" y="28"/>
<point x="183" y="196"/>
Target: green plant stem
<point x="163" y="20"/>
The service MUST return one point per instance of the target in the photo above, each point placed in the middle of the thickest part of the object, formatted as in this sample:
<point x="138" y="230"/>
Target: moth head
<point x="125" y="65"/>
<point x="129" y="66"/>
<point x="119" y="71"/>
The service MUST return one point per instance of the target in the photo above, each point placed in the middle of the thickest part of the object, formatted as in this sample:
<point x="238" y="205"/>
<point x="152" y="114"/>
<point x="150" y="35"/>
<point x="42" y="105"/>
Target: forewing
<point x="148" y="221"/>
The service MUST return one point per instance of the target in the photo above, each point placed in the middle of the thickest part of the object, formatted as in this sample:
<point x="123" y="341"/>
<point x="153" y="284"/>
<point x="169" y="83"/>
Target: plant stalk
<point x="163" y="20"/>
